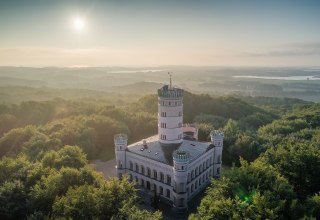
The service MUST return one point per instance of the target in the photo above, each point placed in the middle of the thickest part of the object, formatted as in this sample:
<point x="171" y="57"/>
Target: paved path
<point x="108" y="168"/>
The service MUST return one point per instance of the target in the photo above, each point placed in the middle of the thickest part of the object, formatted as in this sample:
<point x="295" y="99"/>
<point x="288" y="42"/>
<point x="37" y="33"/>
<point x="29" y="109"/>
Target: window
<point x="163" y="114"/>
<point x="161" y="190"/>
<point x="168" y="193"/>
<point x="137" y="168"/>
<point x="131" y="165"/>
<point x="148" y="172"/>
<point x="155" y="174"/>
<point x="142" y="169"/>
<point x="161" y="177"/>
<point x="218" y="171"/>
<point x="168" y="179"/>
<point x="163" y="137"/>
<point x="163" y="125"/>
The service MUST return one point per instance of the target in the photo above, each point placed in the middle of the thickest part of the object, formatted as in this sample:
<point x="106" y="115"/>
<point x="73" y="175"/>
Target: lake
<point x="281" y="77"/>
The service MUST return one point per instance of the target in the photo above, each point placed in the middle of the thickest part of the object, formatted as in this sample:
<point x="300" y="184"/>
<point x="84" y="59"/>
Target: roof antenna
<point x="170" y="80"/>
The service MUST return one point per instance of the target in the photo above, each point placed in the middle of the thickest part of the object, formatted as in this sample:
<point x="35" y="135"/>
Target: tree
<point x="252" y="191"/>
<point x="299" y="163"/>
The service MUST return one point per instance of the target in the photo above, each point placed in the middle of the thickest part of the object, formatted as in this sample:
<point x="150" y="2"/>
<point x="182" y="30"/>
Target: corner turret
<point x="180" y="176"/>
<point x="120" y="143"/>
<point x="217" y="140"/>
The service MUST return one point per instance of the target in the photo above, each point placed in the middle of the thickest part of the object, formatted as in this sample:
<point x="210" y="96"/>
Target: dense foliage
<point x="61" y="185"/>
<point x="91" y="125"/>
<point x="42" y="176"/>
<point x="282" y="183"/>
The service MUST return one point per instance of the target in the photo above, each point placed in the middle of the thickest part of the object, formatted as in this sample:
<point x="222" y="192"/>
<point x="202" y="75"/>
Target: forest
<point x="271" y="157"/>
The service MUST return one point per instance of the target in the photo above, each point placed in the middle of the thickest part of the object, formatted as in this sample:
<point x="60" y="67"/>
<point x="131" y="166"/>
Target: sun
<point x="78" y="23"/>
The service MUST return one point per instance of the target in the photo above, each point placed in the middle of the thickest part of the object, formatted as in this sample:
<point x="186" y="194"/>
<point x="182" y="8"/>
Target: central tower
<point x="170" y="115"/>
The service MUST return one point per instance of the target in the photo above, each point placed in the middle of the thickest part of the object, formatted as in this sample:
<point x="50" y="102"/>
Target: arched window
<point x="161" y="190"/>
<point x="155" y="174"/>
<point x="142" y="169"/>
<point x="148" y="172"/>
<point x="161" y="177"/>
<point x="169" y="179"/>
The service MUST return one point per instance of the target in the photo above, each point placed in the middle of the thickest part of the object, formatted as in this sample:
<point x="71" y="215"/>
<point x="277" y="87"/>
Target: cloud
<point x="292" y="49"/>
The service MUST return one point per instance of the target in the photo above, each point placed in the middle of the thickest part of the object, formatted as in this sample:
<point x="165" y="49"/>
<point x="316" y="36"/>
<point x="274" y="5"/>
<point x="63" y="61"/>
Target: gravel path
<point x="108" y="168"/>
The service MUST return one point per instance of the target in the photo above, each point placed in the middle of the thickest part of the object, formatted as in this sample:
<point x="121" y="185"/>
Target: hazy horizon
<point x="157" y="33"/>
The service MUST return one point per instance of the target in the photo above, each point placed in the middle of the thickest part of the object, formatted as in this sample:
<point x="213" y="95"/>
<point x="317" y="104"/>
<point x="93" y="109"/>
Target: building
<point x="173" y="163"/>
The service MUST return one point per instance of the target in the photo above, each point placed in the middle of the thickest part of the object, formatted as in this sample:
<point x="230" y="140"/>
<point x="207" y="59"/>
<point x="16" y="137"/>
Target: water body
<point x="135" y="71"/>
<point x="294" y="78"/>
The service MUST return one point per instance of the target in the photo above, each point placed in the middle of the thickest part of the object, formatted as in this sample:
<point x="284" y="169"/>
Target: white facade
<point x="174" y="168"/>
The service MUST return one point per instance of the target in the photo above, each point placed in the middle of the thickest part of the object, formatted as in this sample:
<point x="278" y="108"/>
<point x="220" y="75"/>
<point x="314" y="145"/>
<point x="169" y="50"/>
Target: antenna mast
<point x="170" y="80"/>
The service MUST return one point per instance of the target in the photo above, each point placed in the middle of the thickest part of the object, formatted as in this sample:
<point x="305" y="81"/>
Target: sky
<point x="164" y="32"/>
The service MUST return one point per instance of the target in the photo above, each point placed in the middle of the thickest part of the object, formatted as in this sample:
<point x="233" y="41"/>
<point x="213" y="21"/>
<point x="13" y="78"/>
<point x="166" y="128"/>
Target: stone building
<point x="172" y="163"/>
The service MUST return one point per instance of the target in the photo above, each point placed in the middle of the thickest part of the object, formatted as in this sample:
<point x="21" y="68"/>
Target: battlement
<point x="181" y="156"/>
<point x="167" y="92"/>
<point x="120" y="139"/>
<point x="216" y="134"/>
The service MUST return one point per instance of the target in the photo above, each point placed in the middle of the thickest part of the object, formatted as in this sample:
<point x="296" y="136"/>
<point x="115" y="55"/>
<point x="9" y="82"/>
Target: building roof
<point x="151" y="148"/>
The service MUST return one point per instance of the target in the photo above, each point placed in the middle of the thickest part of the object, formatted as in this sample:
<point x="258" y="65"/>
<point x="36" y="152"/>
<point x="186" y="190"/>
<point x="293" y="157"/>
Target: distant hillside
<point x="137" y="88"/>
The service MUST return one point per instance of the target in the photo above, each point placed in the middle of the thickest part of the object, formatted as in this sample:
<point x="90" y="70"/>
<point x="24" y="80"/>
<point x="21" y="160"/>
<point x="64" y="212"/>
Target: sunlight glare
<point x="78" y="24"/>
